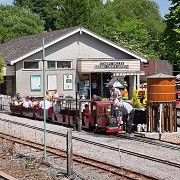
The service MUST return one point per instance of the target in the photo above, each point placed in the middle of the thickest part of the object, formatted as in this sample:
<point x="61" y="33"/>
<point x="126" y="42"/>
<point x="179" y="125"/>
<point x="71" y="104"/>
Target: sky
<point x="163" y="5"/>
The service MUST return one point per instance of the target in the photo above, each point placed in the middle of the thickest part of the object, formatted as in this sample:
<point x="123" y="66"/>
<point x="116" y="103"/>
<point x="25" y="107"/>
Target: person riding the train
<point x="48" y="95"/>
<point x="27" y="102"/>
<point x="14" y="102"/>
<point x="86" y="116"/>
<point x="18" y="98"/>
<point x="57" y="108"/>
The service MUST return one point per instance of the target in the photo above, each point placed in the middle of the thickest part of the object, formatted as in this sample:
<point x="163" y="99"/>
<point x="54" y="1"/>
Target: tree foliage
<point x="17" y="22"/>
<point x="1" y="72"/>
<point x="60" y="14"/>
<point x="140" y="26"/>
<point x="134" y="24"/>
<point x="172" y="34"/>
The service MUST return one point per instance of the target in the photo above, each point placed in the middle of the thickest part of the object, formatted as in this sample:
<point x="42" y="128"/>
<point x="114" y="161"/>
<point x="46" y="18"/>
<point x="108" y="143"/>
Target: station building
<point x="75" y="60"/>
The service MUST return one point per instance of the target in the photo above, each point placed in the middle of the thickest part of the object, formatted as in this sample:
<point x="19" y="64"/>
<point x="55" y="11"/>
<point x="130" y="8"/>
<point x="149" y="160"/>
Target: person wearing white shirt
<point x="128" y="113"/>
<point x="113" y="91"/>
<point x="48" y="104"/>
<point x="27" y="102"/>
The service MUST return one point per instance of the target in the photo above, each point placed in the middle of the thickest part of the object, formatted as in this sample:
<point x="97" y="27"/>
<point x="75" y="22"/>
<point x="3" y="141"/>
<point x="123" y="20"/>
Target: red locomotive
<point x="98" y="115"/>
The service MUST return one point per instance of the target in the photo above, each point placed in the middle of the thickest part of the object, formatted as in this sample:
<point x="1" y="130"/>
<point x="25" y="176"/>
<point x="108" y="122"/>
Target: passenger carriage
<point x="100" y="116"/>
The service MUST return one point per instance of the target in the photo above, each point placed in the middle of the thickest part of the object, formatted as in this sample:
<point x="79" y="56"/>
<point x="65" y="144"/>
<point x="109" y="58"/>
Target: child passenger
<point x="86" y="111"/>
<point x="86" y="116"/>
<point x="14" y="102"/>
<point x="27" y="103"/>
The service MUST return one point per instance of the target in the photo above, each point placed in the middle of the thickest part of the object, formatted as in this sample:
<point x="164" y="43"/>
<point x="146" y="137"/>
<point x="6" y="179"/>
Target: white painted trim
<point x="80" y="30"/>
<point x="114" y="45"/>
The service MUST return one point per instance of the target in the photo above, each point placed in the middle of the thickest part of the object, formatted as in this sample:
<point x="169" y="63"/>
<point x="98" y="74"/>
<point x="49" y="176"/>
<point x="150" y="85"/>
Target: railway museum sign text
<point x="111" y="65"/>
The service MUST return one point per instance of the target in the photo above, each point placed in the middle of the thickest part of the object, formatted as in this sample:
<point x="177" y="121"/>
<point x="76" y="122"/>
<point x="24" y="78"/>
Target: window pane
<point x="51" y="64"/>
<point x="31" y="65"/>
<point x="64" y="64"/>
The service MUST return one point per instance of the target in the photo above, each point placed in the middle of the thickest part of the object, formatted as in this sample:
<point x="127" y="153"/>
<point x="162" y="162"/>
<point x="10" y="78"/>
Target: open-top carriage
<point x="100" y="116"/>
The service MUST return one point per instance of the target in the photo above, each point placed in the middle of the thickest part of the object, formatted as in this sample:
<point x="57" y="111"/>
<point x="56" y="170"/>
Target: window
<point x="31" y="65"/>
<point x="63" y="64"/>
<point x="59" y="64"/>
<point x="51" y="64"/>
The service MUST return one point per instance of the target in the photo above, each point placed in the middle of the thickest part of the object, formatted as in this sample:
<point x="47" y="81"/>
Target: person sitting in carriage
<point x="27" y="102"/>
<point x="86" y="116"/>
<point x="13" y="101"/>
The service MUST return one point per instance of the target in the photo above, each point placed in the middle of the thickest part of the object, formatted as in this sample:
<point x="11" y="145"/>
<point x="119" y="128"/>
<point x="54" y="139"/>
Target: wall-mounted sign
<point x="68" y="81"/>
<point x="35" y="83"/>
<point x="90" y="66"/>
<point x="111" y="65"/>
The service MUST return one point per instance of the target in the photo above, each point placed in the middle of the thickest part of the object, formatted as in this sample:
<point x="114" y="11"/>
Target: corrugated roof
<point x="160" y="75"/>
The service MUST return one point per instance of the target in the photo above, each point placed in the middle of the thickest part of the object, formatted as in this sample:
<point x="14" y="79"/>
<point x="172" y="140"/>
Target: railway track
<point x="139" y="155"/>
<point x="156" y="142"/>
<point x="115" y="171"/>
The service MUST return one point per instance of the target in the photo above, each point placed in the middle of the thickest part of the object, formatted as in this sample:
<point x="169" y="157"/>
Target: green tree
<point x="172" y="34"/>
<point x="60" y="14"/>
<point x="140" y="26"/>
<point x="17" y="22"/>
<point x="134" y="24"/>
<point x="1" y="68"/>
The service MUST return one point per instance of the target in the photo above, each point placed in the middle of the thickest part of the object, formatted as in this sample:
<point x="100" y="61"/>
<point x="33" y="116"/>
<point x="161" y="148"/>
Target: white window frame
<point x="56" y="61"/>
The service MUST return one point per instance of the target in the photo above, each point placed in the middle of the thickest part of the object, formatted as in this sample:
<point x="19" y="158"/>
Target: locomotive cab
<point x="102" y="116"/>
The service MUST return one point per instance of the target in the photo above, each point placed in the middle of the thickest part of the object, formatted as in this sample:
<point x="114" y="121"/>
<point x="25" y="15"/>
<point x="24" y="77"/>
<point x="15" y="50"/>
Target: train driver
<point x="128" y="113"/>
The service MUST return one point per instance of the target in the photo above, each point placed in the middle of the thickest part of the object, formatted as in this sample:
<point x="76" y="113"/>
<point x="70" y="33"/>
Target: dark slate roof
<point x="160" y="75"/>
<point x="18" y="48"/>
<point x="21" y="46"/>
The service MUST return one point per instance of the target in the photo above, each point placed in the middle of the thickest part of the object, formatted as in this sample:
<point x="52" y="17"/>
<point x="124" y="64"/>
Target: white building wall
<point x="72" y="48"/>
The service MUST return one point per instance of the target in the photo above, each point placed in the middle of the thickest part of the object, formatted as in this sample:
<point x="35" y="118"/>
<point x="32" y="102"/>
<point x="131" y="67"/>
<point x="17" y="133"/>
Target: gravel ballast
<point x="158" y="170"/>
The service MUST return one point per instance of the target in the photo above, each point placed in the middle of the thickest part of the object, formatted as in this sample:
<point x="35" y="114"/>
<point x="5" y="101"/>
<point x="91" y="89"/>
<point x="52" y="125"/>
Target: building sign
<point x="68" y="81"/>
<point x="111" y="65"/>
<point x="90" y="66"/>
<point x="35" y="83"/>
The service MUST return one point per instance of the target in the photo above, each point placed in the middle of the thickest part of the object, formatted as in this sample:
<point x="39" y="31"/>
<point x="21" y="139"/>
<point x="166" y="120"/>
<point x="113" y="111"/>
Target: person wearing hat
<point x="128" y="114"/>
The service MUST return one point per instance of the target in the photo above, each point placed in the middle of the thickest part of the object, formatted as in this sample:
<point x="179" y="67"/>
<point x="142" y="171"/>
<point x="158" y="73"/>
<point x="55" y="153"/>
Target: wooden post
<point x="69" y="154"/>
<point x="147" y="117"/>
<point x="156" y="117"/>
<point x="162" y="118"/>
<point x="151" y="118"/>
<point x="170" y="118"/>
<point x="175" y="118"/>
<point x="167" y="114"/>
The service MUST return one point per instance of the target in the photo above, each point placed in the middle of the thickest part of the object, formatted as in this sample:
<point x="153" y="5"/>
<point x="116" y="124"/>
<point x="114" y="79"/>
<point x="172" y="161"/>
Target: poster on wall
<point x="67" y="79"/>
<point x="35" y="83"/>
<point x="52" y="82"/>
